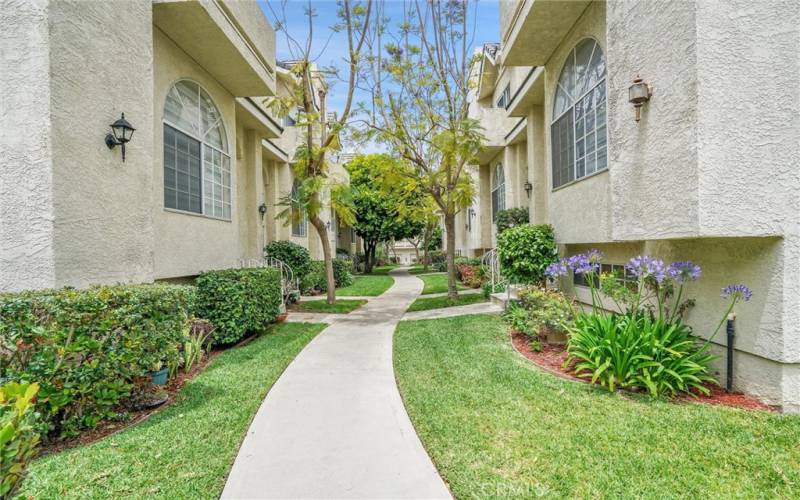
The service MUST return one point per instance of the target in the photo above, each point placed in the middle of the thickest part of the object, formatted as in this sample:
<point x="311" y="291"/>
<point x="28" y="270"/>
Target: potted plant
<point x="159" y="373"/>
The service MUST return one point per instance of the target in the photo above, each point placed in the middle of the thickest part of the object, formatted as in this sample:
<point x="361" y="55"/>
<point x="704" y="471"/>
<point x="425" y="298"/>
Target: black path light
<point x="123" y="131"/>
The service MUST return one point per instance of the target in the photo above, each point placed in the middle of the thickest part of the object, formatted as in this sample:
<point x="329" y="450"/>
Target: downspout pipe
<point x="730" y="329"/>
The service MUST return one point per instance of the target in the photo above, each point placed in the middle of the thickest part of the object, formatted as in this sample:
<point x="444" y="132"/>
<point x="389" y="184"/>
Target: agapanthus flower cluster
<point x="557" y="269"/>
<point x="582" y="264"/>
<point x="683" y="271"/>
<point x="737" y="292"/>
<point x="644" y="266"/>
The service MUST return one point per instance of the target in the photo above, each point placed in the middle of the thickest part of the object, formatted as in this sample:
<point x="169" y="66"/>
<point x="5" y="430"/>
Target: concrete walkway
<point x="334" y="425"/>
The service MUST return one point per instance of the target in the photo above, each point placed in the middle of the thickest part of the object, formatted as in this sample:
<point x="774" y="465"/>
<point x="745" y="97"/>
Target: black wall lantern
<point x="122" y="133"/>
<point x="638" y="95"/>
<point x="262" y="210"/>
<point x="528" y="188"/>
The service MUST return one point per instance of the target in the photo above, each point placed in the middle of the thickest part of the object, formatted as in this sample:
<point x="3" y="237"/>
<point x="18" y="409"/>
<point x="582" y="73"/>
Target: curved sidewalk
<point x="334" y="425"/>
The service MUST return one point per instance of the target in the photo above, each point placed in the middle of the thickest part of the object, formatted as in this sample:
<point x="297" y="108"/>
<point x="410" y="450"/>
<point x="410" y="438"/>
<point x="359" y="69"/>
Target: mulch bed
<point x="552" y="357"/>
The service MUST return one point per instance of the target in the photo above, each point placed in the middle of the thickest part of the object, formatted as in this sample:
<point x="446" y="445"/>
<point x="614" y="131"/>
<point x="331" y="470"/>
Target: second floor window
<point x="578" y="132"/>
<point x="505" y="98"/>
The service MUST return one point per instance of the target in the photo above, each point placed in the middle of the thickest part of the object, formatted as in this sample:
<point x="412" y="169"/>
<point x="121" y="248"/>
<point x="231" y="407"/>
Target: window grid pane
<point x="181" y="171"/>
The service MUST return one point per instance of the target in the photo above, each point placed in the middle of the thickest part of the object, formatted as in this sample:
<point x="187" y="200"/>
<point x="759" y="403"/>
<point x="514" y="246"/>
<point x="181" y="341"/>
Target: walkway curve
<point x="334" y="425"/>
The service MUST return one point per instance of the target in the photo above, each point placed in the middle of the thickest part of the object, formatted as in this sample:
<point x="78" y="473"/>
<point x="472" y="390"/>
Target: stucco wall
<point x="101" y="62"/>
<point x="190" y="243"/>
<point x="27" y="256"/>
<point x="580" y="211"/>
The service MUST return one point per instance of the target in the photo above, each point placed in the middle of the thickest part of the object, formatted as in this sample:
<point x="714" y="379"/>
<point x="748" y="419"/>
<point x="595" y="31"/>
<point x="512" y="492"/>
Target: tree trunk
<point x="369" y="256"/>
<point x="416" y="249"/>
<point x="449" y="227"/>
<point x="322" y="231"/>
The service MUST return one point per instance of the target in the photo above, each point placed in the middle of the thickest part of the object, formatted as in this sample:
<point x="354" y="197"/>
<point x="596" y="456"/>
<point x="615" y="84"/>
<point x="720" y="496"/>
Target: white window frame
<point x="203" y="144"/>
<point x="571" y="109"/>
<point x="500" y="190"/>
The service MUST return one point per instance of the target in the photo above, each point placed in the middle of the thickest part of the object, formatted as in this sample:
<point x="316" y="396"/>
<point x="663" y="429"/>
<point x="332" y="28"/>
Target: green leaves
<point x="525" y="252"/>
<point x="18" y="436"/>
<point x="86" y="348"/>
<point x="637" y="351"/>
<point x="239" y="301"/>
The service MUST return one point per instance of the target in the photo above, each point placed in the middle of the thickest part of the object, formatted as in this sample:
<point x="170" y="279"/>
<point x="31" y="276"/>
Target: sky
<point x="487" y="29"/>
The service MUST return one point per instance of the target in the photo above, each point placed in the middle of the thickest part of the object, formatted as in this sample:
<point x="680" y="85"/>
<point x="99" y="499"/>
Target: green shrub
<point x="519" y="319"/>
<point x="342" y="272"/>
<point x="548" y="310"/>
<point x="291" y="254"/>
<point x="511" y="217"/>
<point x="637" y="351"/>
<point x="315" y="281"/>
<point x="526" y="251"/>
<point x="239" y="301"/>
<point x="87" y="348"/>
<point x="19" y="437"/>
<point x="498" y="287"/>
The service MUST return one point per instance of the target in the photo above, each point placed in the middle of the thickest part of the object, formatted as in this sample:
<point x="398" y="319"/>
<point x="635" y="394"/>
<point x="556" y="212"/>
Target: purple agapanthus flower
<point x="683" y="271"/>
<point x="580" y="264"/>
<point x="595" y="256"/>
<point x="736" y="292"/>
<point x="643" y="266"/>
<point x="557" y="269"/>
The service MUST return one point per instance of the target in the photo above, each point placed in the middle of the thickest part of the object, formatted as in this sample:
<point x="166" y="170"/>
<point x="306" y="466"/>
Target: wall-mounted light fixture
<point x="262" y="210"/>
<point x="528" y="188"/>
<point x="638" y="94"/>
<point x="122" y="133"/>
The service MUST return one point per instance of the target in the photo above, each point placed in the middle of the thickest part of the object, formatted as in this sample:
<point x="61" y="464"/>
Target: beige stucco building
<point x="193" y="78"/>
<point x="709" y="174"/>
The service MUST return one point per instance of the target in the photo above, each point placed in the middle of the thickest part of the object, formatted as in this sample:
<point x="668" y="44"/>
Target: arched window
<point x="197" y="166"/>
<point x="498" y="191"/>
<point x="578" y="132"/>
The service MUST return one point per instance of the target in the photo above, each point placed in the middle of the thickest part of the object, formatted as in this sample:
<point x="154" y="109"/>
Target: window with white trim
<point x="578" y="133"/>
<point x="498" y="191"/>
<point x="197" y="166"/>
<point x="505" y="98"/>
<point x="299" y="221"/>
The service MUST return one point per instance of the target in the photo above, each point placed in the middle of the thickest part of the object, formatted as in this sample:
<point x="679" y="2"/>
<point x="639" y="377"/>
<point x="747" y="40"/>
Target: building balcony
<point x="532" y="29"/>
<point x="232" y="40"/>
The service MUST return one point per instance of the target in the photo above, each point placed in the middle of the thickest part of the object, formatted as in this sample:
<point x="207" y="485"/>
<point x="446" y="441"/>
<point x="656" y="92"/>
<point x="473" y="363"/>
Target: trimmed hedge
<point x="293" y="255"/>
<point x="525" y="252"/>
<point x="87" y="348"/>
<point x="238" y="301"/>
<point x="314" y="281"/>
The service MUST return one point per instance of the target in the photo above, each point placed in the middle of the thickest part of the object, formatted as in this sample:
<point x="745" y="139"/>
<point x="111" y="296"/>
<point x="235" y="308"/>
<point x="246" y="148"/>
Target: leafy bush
<point x="197" y="340"/>
<point x="470" y="275"/>
<point x="238" y="301"/>
<point x="511" y="217"/>
<point x="314" y="281"/>
<point x="639" y="351"/>
<point x="548" y="311"/>
<point x="18" y="434"/>
<point x="342" y="272"/>
<point x="519" y="319"/>
<point x="498" y="287"/>
<point x="291" y="254"/>
<point x="87" y="348"/>
<point x="526" y="251"/>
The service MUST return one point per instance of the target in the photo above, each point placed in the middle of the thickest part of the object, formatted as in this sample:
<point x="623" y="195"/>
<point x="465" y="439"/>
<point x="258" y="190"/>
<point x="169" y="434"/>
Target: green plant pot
<point x="160" y="377"/>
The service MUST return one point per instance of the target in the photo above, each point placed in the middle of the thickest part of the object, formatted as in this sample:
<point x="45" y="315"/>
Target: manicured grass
<point x="366" y="286"/>
<point x="341" y="306"/>
<point x="497" y="426"/>
<point x="419" y="269"/>
<point x="380" y="270"/>
<point x="187" y="449"/>
<point x="425" y="303"/>
<point x="435" y="283"/>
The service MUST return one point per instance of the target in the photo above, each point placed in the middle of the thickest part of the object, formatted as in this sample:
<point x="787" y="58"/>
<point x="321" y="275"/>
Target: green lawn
<point x="381" y="270"/>
<point x="435" y="283"/>
<point x="425" y="303"/>
<point x="420" y="269"/>
<point x="186" y="450"/>
<point x="342" y="306"/>
<point x="366" y="286"/>
<point x="497" y="426"/>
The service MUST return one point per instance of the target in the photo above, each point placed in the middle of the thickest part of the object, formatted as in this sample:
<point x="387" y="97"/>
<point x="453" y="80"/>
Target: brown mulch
<point x="552" y="357"/>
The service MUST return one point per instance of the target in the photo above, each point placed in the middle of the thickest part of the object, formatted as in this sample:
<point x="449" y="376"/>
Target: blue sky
<point x="487" y="29"/>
